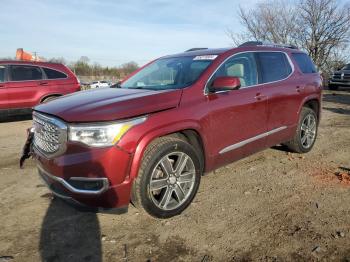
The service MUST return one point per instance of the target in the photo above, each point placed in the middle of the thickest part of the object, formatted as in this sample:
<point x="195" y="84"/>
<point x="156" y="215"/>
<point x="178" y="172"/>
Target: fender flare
<point x="308" y="98"/>
<point x="154" y="134"/>
<point x="49" y="95"/>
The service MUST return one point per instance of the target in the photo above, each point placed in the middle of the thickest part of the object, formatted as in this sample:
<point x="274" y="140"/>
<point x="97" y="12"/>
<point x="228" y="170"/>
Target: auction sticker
<point x="205" y="57"/>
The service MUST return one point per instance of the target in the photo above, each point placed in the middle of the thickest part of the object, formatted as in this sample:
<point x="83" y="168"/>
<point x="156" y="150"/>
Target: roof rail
<point x="196" y="49"/>
<point x="268" y="44"/>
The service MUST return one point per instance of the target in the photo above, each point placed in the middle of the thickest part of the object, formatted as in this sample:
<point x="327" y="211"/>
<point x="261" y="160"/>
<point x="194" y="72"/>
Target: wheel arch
<point x="314" y="104"/>
<point x="50" y="95"/>
<point x="190" y="134"/>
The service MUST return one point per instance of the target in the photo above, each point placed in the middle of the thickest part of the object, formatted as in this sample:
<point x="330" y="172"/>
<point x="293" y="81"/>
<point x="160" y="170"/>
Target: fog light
<point x="92" y="185"/>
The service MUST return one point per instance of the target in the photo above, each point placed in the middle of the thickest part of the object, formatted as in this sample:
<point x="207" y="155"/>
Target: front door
<point x="238" y="118"/>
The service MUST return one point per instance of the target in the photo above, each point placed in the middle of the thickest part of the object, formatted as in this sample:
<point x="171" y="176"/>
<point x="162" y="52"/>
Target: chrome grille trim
<point x="50" y="135"/>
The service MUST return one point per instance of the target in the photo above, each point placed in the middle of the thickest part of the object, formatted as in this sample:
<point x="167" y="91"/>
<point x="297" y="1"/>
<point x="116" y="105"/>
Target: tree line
<point x="83" y="67"/>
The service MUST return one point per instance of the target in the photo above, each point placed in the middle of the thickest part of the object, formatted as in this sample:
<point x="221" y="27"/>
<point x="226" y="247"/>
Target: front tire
<point x="168" y="178"/>
<point x="48" y="99"/>
<point x="306" y="133"/>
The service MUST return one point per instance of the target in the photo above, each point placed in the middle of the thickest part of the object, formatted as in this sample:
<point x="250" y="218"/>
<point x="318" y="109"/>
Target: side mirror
<point x="225" y="83"/>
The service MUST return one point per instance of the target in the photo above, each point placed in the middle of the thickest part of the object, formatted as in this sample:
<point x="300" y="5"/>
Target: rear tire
<point x="306" y="133"/>
<point x="48" y="99"/>
<point x="168" y="178"/>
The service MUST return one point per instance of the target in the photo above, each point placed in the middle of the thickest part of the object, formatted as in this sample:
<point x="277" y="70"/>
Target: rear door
<point x="61" y="80"/>
<point x="24" y="86"/>
<point x="284" y="94"/>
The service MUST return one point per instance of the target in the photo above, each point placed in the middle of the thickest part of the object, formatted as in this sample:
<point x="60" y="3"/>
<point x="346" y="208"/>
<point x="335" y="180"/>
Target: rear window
<point x="304" y="63"/>
<point x="274" y="66"/>
<point x="53" y="74"/>
<point x="22" y="73"/>
<point x="2" y="74"/>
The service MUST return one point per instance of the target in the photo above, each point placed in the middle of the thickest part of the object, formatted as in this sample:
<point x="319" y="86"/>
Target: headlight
<point x="101" y="134"/>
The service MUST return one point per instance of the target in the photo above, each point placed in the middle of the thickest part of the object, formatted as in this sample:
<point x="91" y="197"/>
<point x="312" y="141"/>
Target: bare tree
<point x="320" y="27"/>
<point x="129" y="67"/>
<point x="84" y="59"/>
<point x="324" y="28"/>
<point x="272" y="21"/>
<point x="60" y="60"/>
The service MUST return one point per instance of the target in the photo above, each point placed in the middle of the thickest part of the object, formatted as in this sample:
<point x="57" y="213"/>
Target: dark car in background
<point x="24" y="84"/>
<point x="340" y="78"/>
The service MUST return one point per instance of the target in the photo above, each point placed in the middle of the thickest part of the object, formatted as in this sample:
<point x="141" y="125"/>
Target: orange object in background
<point x="25" y="56"/>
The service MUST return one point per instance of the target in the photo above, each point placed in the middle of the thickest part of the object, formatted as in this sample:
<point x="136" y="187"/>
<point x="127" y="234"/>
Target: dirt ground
<point x="271" y="206"/>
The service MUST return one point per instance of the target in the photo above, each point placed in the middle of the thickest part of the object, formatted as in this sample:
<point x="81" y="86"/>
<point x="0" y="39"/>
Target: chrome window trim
<point x="41" y="69"/>
<point x="62" y="136"/>
<point x="206" y="92"/>
<point x="19" y="81"/>
<point x="249" y="140"/>
<point x="55" y="70"/>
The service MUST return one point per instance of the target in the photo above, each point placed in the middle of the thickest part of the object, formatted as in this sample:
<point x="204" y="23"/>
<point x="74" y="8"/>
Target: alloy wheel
<point x="172" y="181"/>
<point x="308" y="131"/>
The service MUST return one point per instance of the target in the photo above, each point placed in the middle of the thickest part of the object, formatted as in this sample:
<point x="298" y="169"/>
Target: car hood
<point x="110" y="104"/>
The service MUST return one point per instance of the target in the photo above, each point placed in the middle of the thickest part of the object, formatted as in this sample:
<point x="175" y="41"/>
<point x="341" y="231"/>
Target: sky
<point x="113" y="32"/>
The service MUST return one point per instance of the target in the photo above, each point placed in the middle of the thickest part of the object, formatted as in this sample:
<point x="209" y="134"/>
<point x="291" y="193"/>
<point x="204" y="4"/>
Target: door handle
<point x="259" y="96"/>
<point x="2" y="86"/>
<point x="299" y="88"/>
<point x="43" y="83"/>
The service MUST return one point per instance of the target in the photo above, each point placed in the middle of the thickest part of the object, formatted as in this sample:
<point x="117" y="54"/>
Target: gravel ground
<point x="271" y="206"/>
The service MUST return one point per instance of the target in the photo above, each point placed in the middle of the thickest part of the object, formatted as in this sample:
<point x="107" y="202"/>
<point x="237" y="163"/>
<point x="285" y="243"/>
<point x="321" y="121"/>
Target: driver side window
<point x="242" y="66"/>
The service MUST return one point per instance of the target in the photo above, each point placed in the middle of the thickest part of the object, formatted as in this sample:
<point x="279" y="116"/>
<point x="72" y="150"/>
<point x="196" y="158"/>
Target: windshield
<point x="347" y="67"/>
<point x="169" y="73"/>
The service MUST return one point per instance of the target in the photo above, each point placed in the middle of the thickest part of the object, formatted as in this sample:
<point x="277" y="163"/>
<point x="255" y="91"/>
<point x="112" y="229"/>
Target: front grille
<point x="340" y="76"/>
<point x="50" y="134"/>
<point x="336" y="76"/>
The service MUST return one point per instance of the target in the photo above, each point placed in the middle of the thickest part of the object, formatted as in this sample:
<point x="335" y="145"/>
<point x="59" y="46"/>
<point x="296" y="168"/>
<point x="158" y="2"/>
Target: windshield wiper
<point x="136" y="87"/>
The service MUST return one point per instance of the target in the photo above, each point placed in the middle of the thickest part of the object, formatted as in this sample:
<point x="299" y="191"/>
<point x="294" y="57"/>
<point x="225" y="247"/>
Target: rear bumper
<point x="97" y="179"/>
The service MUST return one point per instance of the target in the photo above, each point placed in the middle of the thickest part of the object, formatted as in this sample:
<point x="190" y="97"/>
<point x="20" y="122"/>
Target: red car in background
<point x="25" y="84"/>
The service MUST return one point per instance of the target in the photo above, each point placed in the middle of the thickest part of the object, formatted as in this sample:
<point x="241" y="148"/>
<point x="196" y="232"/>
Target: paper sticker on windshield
<point x="205" y="57"/>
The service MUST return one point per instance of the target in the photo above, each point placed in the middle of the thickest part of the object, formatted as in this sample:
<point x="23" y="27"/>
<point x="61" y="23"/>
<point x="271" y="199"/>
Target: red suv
<point x="178" y="117"/>
<point x="25" y="84"/>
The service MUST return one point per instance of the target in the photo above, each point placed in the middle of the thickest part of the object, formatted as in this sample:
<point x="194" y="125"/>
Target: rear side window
<point x="304" y="63"/>
<point x="2" y="74"/>
<point x="53" y="74"/>
<point x="22" y="73"/>
<point x="274" y="66"/>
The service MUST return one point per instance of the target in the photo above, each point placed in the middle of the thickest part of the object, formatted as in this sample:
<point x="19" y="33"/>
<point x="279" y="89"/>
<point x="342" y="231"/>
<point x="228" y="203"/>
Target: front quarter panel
<point x="160" y="124"/>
